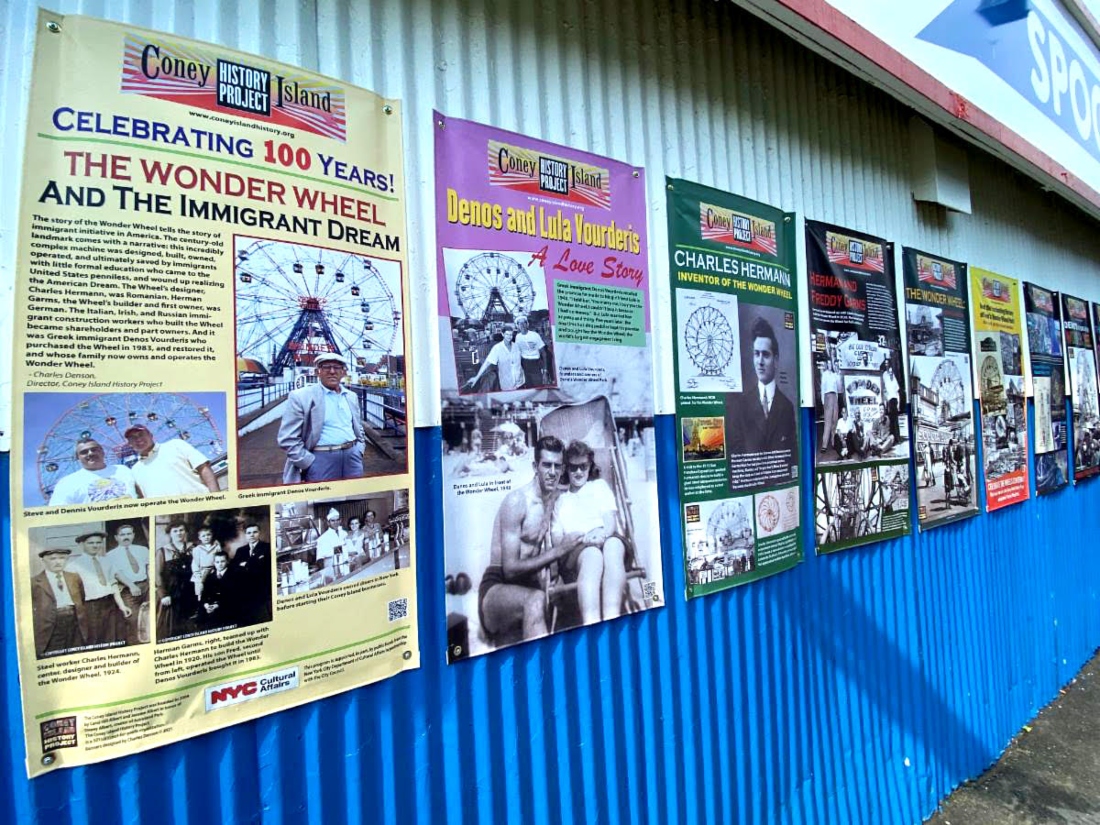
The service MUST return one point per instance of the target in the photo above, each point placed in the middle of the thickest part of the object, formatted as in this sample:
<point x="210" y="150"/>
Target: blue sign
<point x="1058" y="80"/>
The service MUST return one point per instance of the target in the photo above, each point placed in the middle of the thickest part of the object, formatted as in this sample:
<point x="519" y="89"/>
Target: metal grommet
<point x="48" y="759"/>
<point x="635" y="173"/>
<point x="387" y="109"/>
<point x="53" y="27"/>
<point x="408" y="654"/>
<point x="457" y="651"/>
<point x="441" y="124"/>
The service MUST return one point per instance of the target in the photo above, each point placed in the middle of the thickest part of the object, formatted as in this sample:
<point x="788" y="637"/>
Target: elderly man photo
<point x="57" y="605"/>
<point x="765" y="418"/>
<point x="130" y="567"/>
<point x="105" y="610"/>
<point x="321" y="430"/>
<point x="174" y="468"/>
<point x="94" y="481"/>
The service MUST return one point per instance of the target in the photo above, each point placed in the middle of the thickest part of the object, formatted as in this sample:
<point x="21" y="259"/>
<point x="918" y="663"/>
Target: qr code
<point x="399" y="609"/>
<point x="649" y="592"/>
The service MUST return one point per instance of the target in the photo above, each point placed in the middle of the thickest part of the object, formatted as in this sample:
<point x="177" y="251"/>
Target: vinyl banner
<point x="1000" y="375"/>
<point x="1048" y="381"/>
<point x="549" y="469"/>
<point x="861" y="477"/>
<point x="1081" y="355"/>
<point x="734" y="307"/>
<point x="212" y="470"/>
<point x="937" y="323"/>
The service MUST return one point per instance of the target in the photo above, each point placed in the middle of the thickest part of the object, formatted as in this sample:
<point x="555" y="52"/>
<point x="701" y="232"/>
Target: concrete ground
<point x="1049" y="774"/>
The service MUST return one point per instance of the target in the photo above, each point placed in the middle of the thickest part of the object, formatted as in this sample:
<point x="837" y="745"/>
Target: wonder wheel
<point x="728" y="527"/>
<point x="294" y="301"/>
<point x="491" y="285"/>
<point x="708" y="338"/>
<point x="105" y="418"/>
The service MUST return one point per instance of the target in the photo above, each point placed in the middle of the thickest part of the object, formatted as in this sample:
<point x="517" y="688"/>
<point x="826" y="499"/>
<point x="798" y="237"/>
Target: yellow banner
<point x="211" y="464"/>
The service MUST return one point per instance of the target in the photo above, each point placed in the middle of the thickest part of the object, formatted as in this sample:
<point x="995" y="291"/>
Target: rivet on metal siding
<point x="48" y="759"/>
<point x="387" y="109"/>
<point x="52" y="28"/>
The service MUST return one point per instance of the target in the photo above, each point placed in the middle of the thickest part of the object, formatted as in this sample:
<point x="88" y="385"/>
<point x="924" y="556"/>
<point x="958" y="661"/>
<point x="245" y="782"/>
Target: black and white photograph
<point x="709" y="342"/>
<point x="320" y="367"/>
<point x="860" y="400"/>
<point x="213" y="571"/>
<point x="500" y="321"/>
<point x="555" y="544"/>
<point x="335" y="541"/>
<point x="1010" y="353"/>
<point x="720" y="540"/>
<point x="924" y="326"/>
<point x="854" y="504"/>
<point x="1004" y="428"/>
<point x="85" y="449"/>
<point x="762" y="419"/>
<point x="943" y="417"/>
<point x="1086" y="419"/>
<point x="89" y="586"/>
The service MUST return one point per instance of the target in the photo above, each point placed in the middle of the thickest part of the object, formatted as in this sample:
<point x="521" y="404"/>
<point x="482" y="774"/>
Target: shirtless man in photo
<point x="511" y="589"/>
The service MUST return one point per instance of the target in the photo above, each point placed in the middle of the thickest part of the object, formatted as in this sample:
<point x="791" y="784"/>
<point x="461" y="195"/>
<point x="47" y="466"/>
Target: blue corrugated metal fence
<point x="859" y="687"/>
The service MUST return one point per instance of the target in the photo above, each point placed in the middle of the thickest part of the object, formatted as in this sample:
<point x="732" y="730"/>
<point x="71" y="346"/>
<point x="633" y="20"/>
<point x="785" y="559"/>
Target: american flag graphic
<point x="332" y="124"/>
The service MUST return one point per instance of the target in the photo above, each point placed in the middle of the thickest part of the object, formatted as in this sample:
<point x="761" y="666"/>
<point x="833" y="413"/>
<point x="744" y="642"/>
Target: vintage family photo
<point x="320" y="369"/>
<point x="213" y="571"/>
<point x="89" y="586"/>
<point x="860" y="400"/>
<point x="83" y="448"/>
<point x="337" y="541"/>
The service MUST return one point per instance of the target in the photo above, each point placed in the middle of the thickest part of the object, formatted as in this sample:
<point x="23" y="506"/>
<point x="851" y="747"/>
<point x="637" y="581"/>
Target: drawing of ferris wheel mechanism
<point x="493" y="285"/>
<point x="296" y="301"/>
<point x="727" y="526"/>
<point x="708" y="338"/>
<point x="105" y="419"/>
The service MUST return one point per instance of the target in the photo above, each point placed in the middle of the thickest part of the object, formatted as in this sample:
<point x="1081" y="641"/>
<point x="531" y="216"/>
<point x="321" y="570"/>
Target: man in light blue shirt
<point x="321" y="430"/>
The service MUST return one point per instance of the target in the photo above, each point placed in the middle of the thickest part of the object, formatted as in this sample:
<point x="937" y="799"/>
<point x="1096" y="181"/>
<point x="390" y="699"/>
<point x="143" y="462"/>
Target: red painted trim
<point x="826" y="18"/>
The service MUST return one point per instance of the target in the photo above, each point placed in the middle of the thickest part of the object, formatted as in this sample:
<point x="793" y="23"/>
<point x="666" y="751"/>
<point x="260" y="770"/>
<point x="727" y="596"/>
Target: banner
<point x="941" y="384"/>
<point x="1000" y="378"/>
<point x="861" y="477"/>
<point x="549" y="462"/>
<point x="212" y="468"/>
<point x="734" y="308"/>
<point x="1082" y="380"/>
<point x="1044" y="336"/>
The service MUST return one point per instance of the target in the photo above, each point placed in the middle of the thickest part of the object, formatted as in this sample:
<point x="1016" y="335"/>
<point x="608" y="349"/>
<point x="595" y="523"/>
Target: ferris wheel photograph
<point x="298" y="307"/>
<point x="91" y="448"/>
<point x="501" y="331"/>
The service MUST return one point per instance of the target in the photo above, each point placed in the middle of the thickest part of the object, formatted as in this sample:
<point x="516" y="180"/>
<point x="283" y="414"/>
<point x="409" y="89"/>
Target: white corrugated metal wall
<point x="697" y="89"/>
<point x="703" y="91"/>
